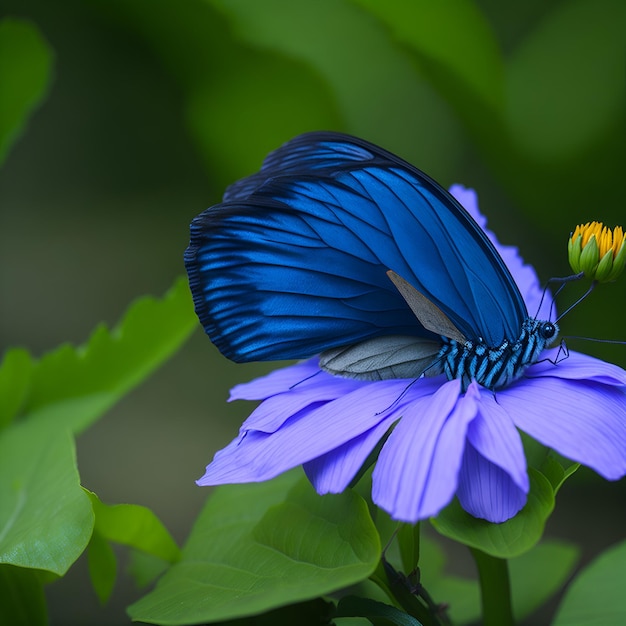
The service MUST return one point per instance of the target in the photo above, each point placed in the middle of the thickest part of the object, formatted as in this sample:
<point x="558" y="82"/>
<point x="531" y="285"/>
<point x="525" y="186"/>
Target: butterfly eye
<point x="548" y="330"/>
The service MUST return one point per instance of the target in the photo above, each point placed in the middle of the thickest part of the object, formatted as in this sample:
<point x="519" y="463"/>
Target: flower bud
<point x="597" y="251"/>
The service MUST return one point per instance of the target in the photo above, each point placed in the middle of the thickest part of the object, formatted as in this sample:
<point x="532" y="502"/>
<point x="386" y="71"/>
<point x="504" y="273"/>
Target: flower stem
<point x="495" y="589"/>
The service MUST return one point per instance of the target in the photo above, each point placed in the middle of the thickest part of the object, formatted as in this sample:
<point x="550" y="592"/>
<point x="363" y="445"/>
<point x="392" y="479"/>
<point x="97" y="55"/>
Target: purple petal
<point x="334" y="471"/>
<point x="272" y="413"/>
<point x="417" y="469"/>
<point x="255" y="456"/>
<point x="585" y="422"/>
<point x="495" y="438"/>
<point x="468" y="199"/>
<point x="539" y="302"/>
<point x="277" y="381"/>
<point x="486" y="491"/>
<point x="577" y="366"/>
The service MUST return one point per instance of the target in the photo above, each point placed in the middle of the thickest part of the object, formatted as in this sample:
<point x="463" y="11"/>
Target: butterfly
<point x="339" y="248"/>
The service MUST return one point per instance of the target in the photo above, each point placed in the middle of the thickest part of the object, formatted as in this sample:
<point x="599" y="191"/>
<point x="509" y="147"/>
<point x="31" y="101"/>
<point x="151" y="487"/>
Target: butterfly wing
<point x="294" y="261"/>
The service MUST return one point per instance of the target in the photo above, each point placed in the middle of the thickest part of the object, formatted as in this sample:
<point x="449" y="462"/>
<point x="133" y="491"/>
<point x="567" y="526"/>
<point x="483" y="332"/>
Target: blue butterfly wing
<point x="306" y="153"/>
<point x="294" y="261"/>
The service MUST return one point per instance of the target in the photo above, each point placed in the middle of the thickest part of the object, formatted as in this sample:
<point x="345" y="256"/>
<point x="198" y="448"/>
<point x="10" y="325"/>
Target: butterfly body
<point x="297" y="261"/>
<point x="495" y="367"/>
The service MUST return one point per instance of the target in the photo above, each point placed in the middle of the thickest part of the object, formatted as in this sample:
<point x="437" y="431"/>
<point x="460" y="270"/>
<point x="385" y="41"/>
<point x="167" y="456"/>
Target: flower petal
<point x="468" y="199"/>
<point x="585" y="422"/>
<point x="494" y="436"/>
<point x="577" y="366"/>
<point x="417" y="470"/>
<point x="273" y="412"/>
<point x="486" y="491"/>
<point x="255" y="456"/>
<point x="334" y="471"/>
<point x="275" y="382"/>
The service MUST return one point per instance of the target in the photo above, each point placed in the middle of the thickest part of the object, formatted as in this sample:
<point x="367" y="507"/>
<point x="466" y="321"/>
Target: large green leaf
<point x="259" y="546"/>
<point x="596" y="596"/>
<point x="510" y="538"/>
<point x="25" y="65"/>
<point x="45" y="517"/>
<point x="72" y="387"/>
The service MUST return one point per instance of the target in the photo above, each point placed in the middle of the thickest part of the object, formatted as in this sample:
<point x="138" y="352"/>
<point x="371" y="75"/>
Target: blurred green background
<point x="155" y="106"/>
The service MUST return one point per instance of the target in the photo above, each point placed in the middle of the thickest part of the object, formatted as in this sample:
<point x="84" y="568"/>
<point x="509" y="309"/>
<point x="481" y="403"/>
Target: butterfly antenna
<point x="388" y="544"/>
<point x="404" y="392"/>
<point x="313" y="375"/>
<point x="563" y="280"/>
<point x="569" y="308"/>
<point x="594" y="339"/>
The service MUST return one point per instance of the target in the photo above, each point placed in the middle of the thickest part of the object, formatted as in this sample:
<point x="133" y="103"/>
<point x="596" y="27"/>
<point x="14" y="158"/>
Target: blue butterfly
<point x="339" y="248"/>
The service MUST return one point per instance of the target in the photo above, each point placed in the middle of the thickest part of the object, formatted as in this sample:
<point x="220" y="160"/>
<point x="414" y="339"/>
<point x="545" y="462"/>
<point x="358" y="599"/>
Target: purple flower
<point x="443" y="442"/>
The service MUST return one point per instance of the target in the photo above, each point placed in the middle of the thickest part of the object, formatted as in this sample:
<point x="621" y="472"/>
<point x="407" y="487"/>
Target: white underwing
<point x="393" y="356"/>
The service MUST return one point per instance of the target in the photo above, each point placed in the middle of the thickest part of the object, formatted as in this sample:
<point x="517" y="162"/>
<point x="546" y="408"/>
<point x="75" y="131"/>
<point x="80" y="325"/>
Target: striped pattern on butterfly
<point x="339" y="248"/>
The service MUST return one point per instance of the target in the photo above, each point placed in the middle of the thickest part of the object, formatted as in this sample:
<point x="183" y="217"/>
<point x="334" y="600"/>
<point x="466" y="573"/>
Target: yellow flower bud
<point x="597" y="251"/>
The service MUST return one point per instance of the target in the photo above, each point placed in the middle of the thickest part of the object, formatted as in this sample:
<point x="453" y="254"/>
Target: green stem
<point x="495" y="588"/>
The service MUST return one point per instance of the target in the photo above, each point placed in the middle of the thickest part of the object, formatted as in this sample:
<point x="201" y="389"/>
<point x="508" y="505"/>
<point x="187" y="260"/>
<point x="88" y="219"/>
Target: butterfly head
<point x="548" y="331"/>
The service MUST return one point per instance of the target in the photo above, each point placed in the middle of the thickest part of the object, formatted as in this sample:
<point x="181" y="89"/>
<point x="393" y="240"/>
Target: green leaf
<point x="127" y="524"/>
<point x="22" y="600"/>
<point x="25" y="65"/>
<point x="539" y="573"/>
<point x="45" y="517"/>
<point x="238" y="148"/>
<point x="315" y="612"/>
<point x="259" y="546"/>
<point x="462" y="595"/>
<point x="135" y="526"/>
<point x="46" y="520"/>
<point x="557" y="471"/>
<point x="15" y="373"/>
<point x="554" y="467"/>
<point x="566" y="80"/>
<point x="351" y="606"/>
<point x="260" y="97"/>
<point x="72" y="387"/>
<point x="596" y="596"/>
<point x="145" y="568"/>
<point x="102" y="566"/>
<point x="409" y="543"/>
<point x="379" y="92"/>
<point x="510" y="538"/>
<point x="455" y="48"/>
